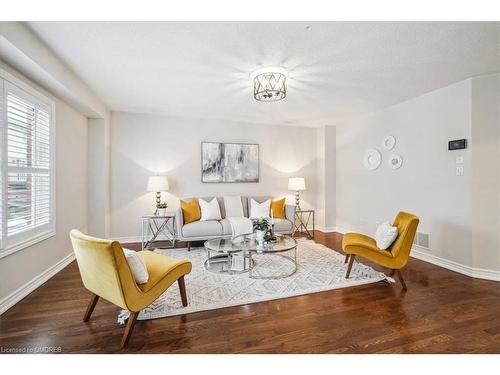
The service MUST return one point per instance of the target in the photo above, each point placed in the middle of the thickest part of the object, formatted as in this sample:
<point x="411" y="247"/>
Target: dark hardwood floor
<point x="442" y="312"/>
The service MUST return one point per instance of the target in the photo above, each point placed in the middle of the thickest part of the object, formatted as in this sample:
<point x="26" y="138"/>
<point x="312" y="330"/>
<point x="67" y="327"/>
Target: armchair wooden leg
<point x="351" y="261"/>
<point x="189" y="245"/>
<point x="400" y="277"/>
<point x="90" y="307"/>
<point x="182" y="289"/>
<point x="129" y="328"/>
<point x="346" y="258"/>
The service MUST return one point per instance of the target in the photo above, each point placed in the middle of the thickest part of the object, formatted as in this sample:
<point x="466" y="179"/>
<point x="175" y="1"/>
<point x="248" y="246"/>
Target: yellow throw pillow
<point x="190" y="210"/>
<point x="278" y="208"/>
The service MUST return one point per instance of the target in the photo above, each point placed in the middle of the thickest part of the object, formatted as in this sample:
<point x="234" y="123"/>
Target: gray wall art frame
<point x="229" y="162"/>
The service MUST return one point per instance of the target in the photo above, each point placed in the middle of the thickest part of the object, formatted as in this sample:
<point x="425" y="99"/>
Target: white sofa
<point x="204" y="230"/>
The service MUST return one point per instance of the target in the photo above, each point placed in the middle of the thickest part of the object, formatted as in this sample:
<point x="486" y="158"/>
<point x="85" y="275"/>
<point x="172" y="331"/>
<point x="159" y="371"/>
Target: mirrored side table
<point x="302" y="220"/>
<point x="156" y="229"/>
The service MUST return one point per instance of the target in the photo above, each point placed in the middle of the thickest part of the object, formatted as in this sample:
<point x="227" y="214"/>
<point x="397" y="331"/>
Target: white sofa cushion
<point x="258" y="210"/>
<point x="209" y="210"/>
<point x="137" y="266"/>
<point x="233" y="207"/>
<point x="385" y="235"/>
<point x="202" y="229"/>
<point x="282" y="225"/>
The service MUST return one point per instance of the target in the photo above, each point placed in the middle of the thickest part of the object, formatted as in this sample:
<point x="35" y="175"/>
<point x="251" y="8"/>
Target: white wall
<point x="459" y="212"/>
<point x="426" y="184"/>
<point x="143" y="145"/>
<point x="326" y="171"/>
<point x="31" y="57"/>
<point x="22" y="49"/>
<point x="99" y="160"/>
<point x="330" y="176"/>
<point x="320" y="172"/>
<point x="25" y="270"/>
<point x="485" y="171"/>
<point x="22" y="267"/>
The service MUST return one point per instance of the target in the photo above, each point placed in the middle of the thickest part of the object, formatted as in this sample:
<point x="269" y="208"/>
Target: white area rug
<point x="319" y="269"/>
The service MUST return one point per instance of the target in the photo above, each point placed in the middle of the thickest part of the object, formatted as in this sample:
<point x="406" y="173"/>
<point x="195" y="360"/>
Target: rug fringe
<point x="123" y="317"/>
<point x="389" y="279"/>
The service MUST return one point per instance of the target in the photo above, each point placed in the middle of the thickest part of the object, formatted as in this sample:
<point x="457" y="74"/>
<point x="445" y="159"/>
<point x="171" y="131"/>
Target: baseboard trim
<point x="342" y="230"/>
<point x="133" y="239"/>
<point x="33" y="284"/>
<point x="326" y="229"/>
<point x="482" y="273"/>
<point x="478" y="273"/>
<point x="332" y="229"/>
<point x="128" y="239"/>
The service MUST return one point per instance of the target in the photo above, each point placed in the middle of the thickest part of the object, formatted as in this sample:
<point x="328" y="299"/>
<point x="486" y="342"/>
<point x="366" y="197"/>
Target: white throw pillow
<point x="209" y="210"/>
<point x="385" y="235"/>
<point x="258" y="210"/>
<point x="233" y="207"/>
<point x="137" y="266"/>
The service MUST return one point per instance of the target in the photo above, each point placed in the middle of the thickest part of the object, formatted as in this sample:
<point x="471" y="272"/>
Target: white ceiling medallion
<point x="372" y="159"/>
<point x="269" y="84"/>
<point x="389" y="142"/>
<point x="395" y="161"/>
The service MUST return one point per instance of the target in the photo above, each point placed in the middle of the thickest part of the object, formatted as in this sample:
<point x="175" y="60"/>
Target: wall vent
<point x="422" y="240"/>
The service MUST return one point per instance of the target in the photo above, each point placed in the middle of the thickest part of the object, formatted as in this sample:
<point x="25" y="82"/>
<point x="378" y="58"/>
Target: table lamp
<point x="297" y="184"/>
<point x="158" y="184"/>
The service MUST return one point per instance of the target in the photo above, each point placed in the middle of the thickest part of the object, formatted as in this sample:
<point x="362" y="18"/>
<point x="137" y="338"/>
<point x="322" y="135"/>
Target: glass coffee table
<point x="238" y="255"/>
<point x="224" y="255"/>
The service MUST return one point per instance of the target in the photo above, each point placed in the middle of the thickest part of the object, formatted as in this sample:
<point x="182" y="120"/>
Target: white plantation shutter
<point x="27" y="170"/>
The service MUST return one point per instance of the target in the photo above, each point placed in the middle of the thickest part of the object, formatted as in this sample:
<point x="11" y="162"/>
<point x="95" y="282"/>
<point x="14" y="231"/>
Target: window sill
<point x="24" y="244"/>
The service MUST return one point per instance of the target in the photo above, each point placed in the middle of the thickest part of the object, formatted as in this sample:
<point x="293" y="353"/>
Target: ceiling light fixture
<point x="269" y="84"/>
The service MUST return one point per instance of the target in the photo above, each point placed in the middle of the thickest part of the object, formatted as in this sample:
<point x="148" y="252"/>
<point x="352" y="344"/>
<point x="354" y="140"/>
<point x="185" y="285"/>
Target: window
<point x="27" y="204"/>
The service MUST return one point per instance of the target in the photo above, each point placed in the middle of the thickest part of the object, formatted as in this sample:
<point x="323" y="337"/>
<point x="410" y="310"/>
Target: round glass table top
<point x="248" y="242"/>
<point x="222" y="245"/>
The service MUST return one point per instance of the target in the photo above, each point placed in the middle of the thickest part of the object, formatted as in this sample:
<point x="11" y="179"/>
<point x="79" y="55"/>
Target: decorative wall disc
<point x="372" y="159"/>
<point x="389" y="142"/>
<point x="395" y="161"/>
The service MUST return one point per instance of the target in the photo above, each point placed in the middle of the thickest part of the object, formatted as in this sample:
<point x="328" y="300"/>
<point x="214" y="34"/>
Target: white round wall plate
<point x="389" y="142"/>
<point x="372" y="159"/>
<point x="395" y="161"/>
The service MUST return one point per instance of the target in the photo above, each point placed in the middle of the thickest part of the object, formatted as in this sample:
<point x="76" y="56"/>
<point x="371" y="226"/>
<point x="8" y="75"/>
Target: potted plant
<point x="161" y="209"/>
<point x="260" y="227"/>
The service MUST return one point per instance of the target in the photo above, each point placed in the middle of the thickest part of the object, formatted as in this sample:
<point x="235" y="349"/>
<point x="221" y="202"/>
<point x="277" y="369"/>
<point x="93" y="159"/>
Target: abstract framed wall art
<point x="229" y="162"/>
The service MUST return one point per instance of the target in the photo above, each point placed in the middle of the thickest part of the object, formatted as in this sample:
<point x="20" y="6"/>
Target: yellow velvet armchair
<point x="395" y="257"/>
<point x="106" y="273"/>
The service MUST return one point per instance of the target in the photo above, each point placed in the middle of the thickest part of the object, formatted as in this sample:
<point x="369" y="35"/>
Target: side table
<point x="154" y="227"/>
<point x="302" y="219"/>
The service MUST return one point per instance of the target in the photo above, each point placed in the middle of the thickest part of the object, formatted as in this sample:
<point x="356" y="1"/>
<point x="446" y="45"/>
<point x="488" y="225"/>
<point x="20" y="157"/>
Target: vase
<point x="259" y="235"/>
<point x="161" y="212"/>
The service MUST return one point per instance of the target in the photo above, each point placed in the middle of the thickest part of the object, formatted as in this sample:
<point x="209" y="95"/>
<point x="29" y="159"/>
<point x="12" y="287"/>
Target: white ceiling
<point x="337" y="69"/>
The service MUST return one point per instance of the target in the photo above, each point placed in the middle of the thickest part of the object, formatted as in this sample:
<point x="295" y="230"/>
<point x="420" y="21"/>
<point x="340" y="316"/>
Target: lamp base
<point x="158" y="201"/>
<point x="297" y="201"/>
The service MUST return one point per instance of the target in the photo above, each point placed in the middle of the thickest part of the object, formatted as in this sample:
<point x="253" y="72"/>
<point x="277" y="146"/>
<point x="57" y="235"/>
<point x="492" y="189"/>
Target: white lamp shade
<point x="158" y="183"/>
<point x="296" y="183"/>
